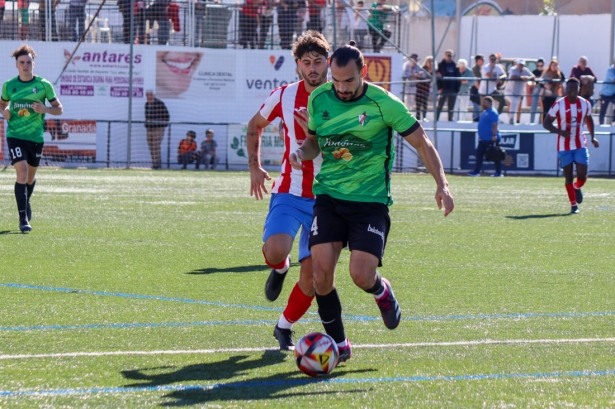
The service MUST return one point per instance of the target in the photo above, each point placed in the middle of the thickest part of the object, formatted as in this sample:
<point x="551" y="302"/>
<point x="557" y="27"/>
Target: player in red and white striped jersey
<point x="292" y="199"/>
<point x="571" y="111"/>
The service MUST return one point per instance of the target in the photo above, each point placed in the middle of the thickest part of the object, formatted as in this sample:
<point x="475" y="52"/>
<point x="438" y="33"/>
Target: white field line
<point x="366" y="346"/>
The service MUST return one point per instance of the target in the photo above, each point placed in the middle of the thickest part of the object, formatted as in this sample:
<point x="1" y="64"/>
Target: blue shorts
<point x="580" y="156"/>
<point x="286" y="214"/>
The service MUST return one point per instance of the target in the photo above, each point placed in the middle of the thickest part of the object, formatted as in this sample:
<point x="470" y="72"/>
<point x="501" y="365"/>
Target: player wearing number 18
<point x="23" y="106"/>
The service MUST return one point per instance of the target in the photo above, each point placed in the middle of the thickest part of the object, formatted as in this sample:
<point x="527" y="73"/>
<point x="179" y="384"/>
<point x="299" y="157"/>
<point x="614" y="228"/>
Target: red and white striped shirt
<point x="282" y="103"/>
<point x="570" y="117"/>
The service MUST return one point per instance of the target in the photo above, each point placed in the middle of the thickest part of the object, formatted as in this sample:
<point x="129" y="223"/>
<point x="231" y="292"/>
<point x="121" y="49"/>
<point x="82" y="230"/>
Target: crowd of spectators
<point x="457" y="85"/>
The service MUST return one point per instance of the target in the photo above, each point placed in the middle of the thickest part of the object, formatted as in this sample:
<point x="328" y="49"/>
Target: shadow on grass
<point x="10" y="232"/>
<point x="214" y="373"/>
<point x="538" y="216"/>
<point x="237" y="269"/>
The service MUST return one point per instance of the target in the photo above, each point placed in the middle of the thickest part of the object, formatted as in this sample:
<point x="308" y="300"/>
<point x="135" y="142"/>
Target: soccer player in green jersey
<point x="23" y="106"/>
<point x="351" y="124"/>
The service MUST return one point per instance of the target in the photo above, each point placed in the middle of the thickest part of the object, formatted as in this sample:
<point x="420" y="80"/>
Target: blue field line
<point x="302" y="381"/>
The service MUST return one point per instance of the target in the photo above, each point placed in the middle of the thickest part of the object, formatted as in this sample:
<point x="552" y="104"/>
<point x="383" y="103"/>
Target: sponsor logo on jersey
<point x="363" y="119"/>
<point x="325" y="116"/>
<point x="375" y="231"/>
<point x="329" y="142"/>
<point x="39" y="155"/>
<point x="22" y="105"/>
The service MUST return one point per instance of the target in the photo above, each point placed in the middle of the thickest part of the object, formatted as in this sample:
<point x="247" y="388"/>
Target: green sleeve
<point x="397" y="116"/>
<point x="311" y="122"/>
<point x="5" y="94"/>
<point x="49" y="92"/>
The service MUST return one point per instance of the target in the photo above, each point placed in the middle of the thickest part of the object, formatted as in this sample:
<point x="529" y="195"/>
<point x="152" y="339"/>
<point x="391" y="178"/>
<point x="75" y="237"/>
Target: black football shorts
<point x="362" y="226"/>
<point x="20" y="149"/>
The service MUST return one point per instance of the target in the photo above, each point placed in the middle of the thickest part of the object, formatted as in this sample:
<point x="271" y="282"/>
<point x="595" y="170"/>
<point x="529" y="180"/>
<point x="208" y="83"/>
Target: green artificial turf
<point x="143" y="263"/>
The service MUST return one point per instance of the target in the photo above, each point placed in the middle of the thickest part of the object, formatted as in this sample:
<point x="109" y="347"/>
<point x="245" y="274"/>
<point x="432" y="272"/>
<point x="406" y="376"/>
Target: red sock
<point x="298" y="304"/>
<point x="580" y="183"/>
<point x="278" y="266"/>
<point x="571" y="194"/>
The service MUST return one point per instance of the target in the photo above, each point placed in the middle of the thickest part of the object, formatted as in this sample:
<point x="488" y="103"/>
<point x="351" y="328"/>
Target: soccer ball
<point x="316" y="354"/>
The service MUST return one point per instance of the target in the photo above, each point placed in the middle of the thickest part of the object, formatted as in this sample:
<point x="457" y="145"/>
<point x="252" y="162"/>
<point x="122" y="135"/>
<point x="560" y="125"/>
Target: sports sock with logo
<point x="21" y="196"/>
<point x="579" y="183"/>
<point x="572" y="196"/>
<point x="330" y="311"/>
<point x="297" y="306"/>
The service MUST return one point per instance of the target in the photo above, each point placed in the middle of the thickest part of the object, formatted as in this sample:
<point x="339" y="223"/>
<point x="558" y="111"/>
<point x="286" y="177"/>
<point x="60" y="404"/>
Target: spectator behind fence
<point x="2" y="9"/>
<point x="208" y="151"/>
<point x="23" y="7"/>
<point x="315" y="8"/>
<point x="463" y="98"/>
<point x="536" y="88"/>
<point x="42" y="19"/>
<point x="377" y="18"/>
<point x="447" y="89"/>
<point x="607" y="93"/>
<point x="588" y="78"/>
<point x="156" y="119"/>
<point x="492" y="75"/>
<point x="287" y="21"/>
<point x="158" y="12"/>
<point x="124" y="7"/>
<point x="553" y="79"/>
<point x="265" y="20"/>
<point x="248" y="22"/>
<point x="519" y="76"/>
<point x="488" y="134"/>
<point x="76" y="18"/>
<point x="412" y="72"/>
<point x="186" y="151"/>
<point x="423" y="89"/>
<point x="479" y="61"/>
<point x="359" y="24"/>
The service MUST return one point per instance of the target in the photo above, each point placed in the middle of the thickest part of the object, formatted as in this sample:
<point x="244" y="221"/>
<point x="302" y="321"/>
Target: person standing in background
<point x="587" y="77"/>
<point x="536" y="88"/>
<point x="607" y="93"/>
<point x="248" y="22"/>
<point x="76" y="18"/>
<point x="42" y="19"/>
<point x="412" y="72"/>
<point x="359" y="24"/>
<point x="552" y="88"/>
<point x="463" y="98"/>
<point x="423" y="89"/>
<point x="156" y="120"/>
<point x="377" y="19"/>
<point x="488" y="134"/>
<point x="479" y="60"/>
<point x="23" y="7"/>
<point x="448" y="88"/>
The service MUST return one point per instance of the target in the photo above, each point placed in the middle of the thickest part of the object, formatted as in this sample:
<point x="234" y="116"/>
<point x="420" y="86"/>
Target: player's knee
<point x="363" y="278"/>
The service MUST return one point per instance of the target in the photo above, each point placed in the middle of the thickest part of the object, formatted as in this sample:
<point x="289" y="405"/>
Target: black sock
<point x="378" y="287"/>
<point x="30" y="189"/>
<point x="330" y="311"/>
<point x="21" y="196"/>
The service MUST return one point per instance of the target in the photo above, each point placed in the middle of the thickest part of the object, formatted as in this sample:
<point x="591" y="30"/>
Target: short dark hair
<point x="346" y="53"/>
<point x="573" y="80"/>
<point x="311" y="41"/>
<point x="191" y="133"/>
<point x="25" y="49"/>
<point x="540" y="60"/>
<point x="211" y="131"/>
<point x="488" y="99"/>
<point x="479" y="57"/>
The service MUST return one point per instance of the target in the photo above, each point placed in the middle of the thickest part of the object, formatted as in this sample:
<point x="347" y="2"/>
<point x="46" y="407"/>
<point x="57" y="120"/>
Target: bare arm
<point x="308" y="151"/>
<point x="6" y="114"/>
<point x="429" y="155"/>
<point x="494" y="132"/>
<point x="55" y="108"/>
<point x="258" y="175"/>
<point x="589" y="121"/>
